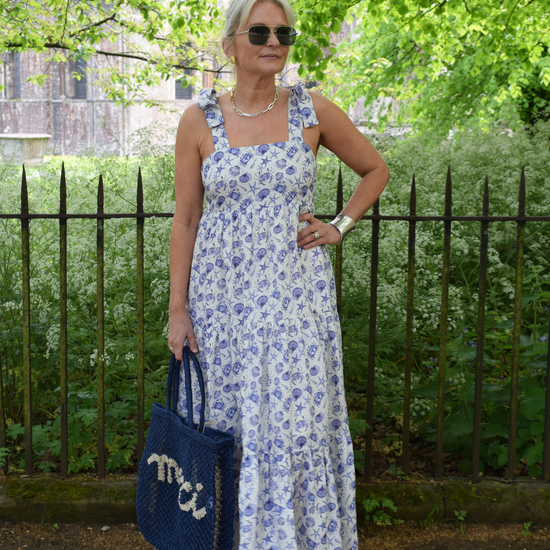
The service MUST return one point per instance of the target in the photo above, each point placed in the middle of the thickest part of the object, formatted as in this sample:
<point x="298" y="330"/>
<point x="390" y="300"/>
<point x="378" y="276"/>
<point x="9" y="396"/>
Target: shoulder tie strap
<point x="301" y="113"/>
<point x="208" y="102"/>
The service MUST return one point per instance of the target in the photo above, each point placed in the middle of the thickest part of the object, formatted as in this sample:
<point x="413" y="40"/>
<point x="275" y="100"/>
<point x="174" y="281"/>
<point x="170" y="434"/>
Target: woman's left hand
<point x="326" y="232"/>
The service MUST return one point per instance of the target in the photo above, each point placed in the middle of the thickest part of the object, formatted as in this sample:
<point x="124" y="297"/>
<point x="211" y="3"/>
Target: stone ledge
<point x="83" y="499"/>
<point x="28" y="149"/>
<point x="38" y="499"/>
<point x="488" y="501"/>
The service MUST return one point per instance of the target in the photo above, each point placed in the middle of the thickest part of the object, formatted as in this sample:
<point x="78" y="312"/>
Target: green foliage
<point x="447" y="62"/>
<point x="526" y="530"/>
<point x="461" y="520"/>
<point x="433" y="519"/>
<point x="144" y="39"/>
<point x="120" y="310"/>
<point x="471" y="155"/>
<point x="376" y="511"/>
<point x="315" y="48"/>
<point x="45" y="516"/>
<point x="4" y="453"/>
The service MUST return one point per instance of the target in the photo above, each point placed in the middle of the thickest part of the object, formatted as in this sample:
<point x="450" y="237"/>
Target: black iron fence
<point x="375" y="218"/>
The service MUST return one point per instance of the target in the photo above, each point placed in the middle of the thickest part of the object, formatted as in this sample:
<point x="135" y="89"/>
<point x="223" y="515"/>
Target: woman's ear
<point x="228" y="48"/>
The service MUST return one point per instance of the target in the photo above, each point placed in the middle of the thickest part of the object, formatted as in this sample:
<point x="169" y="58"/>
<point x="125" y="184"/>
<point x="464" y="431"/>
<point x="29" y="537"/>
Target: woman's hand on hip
<point x="180" y="329"/>
<point x="317" y="232"/>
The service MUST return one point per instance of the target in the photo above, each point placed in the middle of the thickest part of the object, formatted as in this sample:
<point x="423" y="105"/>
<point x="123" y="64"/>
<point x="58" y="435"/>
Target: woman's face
<point x="268" y="59"/>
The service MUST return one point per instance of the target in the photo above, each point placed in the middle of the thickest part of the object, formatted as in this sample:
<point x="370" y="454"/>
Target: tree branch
<point x="421" y="13"/>
<point x="91" y="26"/>
<point x="510" y="16"/>
<point x="65" y="22"/>
<point x="60" y="46"/>
<point x="405" y="54"/>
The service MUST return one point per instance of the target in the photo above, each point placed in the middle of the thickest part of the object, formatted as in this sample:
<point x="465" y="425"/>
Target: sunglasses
<point x="259" y="35"/>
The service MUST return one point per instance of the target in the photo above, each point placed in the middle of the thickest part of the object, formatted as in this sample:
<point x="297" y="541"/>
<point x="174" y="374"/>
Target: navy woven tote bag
<point x="185" y="496"/>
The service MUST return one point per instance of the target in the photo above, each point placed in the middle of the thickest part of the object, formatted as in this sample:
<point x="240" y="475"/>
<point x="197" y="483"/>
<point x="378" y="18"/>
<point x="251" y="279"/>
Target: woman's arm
<point x="338" y="134"/>
<point x="189" y="200"/>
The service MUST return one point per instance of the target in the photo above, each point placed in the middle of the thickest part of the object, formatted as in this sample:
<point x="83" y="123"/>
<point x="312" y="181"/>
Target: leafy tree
<point x="142" y="41"/>
<point x="145" y="41"/>
<point x="447" y="61"/>
<point x="534" y="103"/>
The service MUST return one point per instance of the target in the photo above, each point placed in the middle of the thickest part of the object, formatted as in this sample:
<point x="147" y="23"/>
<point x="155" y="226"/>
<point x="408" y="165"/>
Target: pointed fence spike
<point x="100" y="335"/>
<point x="412" y="201"/>
<point x="448" y="193"/>
<point x="486" y="197"/>
<point x="100" y="195"/>
<point x="24" y="193"/>
<point x="63" y="191"/>
<point x="63" y="333"/>
<point x="372" y="342"/>
<point x="26" y="278"/>
<point x="409" y="332"/>
<point x="445" y="275"/>
<point x="480" y="336"/>
<point x="139" y="193"/>
<point x="140" y="322"/>
<point x="516" y="331"/>
<point x="340" y="192"/>
<point x="521" y="201"/>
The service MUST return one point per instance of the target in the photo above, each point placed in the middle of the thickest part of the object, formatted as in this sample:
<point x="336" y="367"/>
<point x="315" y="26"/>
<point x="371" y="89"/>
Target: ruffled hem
<point x="282" y="398"/>
<point x="302" y="489"/>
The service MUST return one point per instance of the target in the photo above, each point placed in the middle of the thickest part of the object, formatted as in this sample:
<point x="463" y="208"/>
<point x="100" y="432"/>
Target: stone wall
<point x="82" y="499"/>
<point x="78" y="115"/>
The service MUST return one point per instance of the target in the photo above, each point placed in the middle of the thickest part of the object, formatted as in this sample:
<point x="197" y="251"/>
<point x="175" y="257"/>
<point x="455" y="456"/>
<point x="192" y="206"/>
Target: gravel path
<point x="409" y="536"/>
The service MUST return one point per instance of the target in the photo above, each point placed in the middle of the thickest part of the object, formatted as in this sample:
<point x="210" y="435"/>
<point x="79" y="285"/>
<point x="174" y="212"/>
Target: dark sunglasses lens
<point x="258" y="35"/>
<point x="286" y="36"/>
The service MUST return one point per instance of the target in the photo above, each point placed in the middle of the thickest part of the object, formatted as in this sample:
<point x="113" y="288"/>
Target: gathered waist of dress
<point x="246" y="319"/>
<point x="256" y="210"/>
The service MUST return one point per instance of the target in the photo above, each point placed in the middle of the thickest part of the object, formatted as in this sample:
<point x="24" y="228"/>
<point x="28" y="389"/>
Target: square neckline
<point x="259" y="144"/>
<point x="289" y="140"/>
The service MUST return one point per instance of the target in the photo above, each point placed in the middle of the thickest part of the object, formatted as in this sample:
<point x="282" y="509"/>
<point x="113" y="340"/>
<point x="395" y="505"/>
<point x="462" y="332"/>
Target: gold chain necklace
<point x="240" y="113"/>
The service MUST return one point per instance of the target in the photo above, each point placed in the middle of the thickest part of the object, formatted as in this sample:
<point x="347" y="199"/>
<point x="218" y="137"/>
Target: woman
<point x="254" y="295"/>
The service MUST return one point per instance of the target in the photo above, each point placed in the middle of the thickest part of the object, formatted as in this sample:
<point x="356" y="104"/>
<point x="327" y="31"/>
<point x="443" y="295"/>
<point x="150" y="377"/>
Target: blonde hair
<point x="239" y="11"/>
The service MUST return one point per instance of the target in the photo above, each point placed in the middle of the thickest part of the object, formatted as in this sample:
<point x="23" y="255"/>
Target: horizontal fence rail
<point x="138" y="215"/>
<point x="412" y="218"/>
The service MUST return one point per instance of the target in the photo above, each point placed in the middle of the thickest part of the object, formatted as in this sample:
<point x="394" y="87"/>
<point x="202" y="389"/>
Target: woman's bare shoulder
<point x="193" y="118"/>
<point x="324" y="107"/>
<point x="193" y="130"/>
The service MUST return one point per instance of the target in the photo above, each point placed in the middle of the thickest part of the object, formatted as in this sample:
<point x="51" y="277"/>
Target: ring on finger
<point x="316" y="235"/>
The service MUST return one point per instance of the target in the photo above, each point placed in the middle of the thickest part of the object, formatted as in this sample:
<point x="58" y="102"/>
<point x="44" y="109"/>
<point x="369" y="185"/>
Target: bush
<point x="471" y="155"/>
<point x="120" y="185"/>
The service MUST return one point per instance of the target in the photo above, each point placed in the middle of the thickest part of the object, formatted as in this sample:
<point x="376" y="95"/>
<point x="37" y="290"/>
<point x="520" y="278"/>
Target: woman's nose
<point x="272" y="40"/>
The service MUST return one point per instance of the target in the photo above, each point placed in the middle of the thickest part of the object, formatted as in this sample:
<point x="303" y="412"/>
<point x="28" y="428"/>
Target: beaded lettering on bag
<point x="165" y="474"/>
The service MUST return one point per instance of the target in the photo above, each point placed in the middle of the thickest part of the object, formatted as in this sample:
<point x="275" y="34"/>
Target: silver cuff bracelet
<point x="344" y="224"/>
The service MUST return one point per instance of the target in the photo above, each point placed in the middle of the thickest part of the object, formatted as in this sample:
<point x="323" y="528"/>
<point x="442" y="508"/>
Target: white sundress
<point x="265" y="318"/>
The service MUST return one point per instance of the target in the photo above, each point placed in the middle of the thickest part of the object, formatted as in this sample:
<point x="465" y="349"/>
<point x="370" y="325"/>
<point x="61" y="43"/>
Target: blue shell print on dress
<point x="264" y="314"/>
